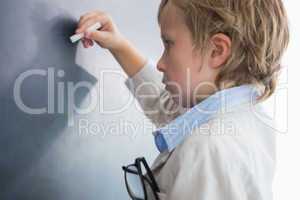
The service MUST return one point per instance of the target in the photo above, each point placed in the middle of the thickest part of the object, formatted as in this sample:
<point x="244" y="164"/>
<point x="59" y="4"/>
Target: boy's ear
<point x="220" y="50"/>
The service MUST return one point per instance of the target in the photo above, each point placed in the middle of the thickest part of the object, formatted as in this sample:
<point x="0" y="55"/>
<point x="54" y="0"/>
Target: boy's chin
<point x="181" y="101"/>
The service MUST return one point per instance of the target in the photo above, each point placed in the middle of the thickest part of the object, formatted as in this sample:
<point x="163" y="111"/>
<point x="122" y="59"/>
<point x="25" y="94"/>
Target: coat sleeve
<point x="149" y="90"/>
<point x="206" y="173"/>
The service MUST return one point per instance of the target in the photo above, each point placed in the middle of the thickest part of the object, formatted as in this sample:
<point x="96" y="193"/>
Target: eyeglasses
<point x="139" y="180"/>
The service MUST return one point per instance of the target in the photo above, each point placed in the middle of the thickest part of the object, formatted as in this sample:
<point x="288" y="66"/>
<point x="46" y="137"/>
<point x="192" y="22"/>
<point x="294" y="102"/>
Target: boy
<point x="213" y="49"/>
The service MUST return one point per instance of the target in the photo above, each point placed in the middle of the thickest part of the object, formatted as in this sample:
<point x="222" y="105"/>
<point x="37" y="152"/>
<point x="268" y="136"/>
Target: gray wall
<point x="45" y="156"/>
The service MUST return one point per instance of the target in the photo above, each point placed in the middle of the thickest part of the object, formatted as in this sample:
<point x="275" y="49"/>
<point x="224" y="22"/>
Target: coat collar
<point x="169" y="136"/>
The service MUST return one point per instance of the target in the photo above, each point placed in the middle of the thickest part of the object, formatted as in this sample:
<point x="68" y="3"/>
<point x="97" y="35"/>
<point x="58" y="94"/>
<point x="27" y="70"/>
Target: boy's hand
<point x="107" y="37"/>
<point x="110" y="38"/>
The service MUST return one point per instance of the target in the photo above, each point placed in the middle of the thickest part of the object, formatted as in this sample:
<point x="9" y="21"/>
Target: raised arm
<point x="144" y="80"/>
<point x="109" y="37"/>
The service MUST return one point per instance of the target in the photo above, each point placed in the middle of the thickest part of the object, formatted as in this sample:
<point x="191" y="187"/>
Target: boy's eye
<point x="167" y="43"/>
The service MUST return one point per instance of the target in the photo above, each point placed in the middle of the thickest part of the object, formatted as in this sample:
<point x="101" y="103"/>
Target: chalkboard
<point x="43" y="155"/>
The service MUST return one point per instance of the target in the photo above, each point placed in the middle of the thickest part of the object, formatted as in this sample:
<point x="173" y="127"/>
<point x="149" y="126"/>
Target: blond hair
<point x="259" y="33"/>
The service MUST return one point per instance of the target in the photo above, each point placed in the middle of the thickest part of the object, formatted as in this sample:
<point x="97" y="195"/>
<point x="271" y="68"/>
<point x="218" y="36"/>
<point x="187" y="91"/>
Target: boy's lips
<point x="164" y="80"/>
<point x="166" y="83"/>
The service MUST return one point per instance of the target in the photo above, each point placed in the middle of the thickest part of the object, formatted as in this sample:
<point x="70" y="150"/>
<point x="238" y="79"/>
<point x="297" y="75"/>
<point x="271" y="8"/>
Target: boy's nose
<point x="160" y="66"/>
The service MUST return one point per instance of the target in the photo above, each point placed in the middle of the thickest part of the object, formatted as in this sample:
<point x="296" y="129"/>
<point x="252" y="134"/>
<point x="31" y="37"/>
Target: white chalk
<point x="76" y="37"/>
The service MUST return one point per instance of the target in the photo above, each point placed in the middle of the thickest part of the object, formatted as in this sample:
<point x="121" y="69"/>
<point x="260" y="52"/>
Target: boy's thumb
<point x="98" y="36"/>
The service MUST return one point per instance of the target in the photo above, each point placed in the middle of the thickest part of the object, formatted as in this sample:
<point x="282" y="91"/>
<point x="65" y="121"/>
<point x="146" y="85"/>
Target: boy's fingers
<point x="87" y="42"/>
<point x="91" y="21"/>
<point x="90" y="14"/>
<point x="84" y="42"/>
<point x="98" y="36"/>
<point x="85" y="18"/>
<point x="91" y="43"/>
<point x="86" y="25"/>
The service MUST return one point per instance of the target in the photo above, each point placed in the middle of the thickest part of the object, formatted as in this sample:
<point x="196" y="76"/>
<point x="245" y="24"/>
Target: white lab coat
<point x="231" y="157"/>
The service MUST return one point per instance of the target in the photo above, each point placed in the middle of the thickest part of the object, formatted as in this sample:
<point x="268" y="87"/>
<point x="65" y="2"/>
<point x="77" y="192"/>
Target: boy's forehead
<point x="170" y="18"/>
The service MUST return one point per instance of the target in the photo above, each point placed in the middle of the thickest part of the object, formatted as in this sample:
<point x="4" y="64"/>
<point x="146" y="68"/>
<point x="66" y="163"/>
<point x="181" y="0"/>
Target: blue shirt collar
<point x="169" y="136"/>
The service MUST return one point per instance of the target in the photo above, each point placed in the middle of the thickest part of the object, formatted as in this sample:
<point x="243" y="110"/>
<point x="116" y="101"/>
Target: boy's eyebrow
<point x="164" y="37"/>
